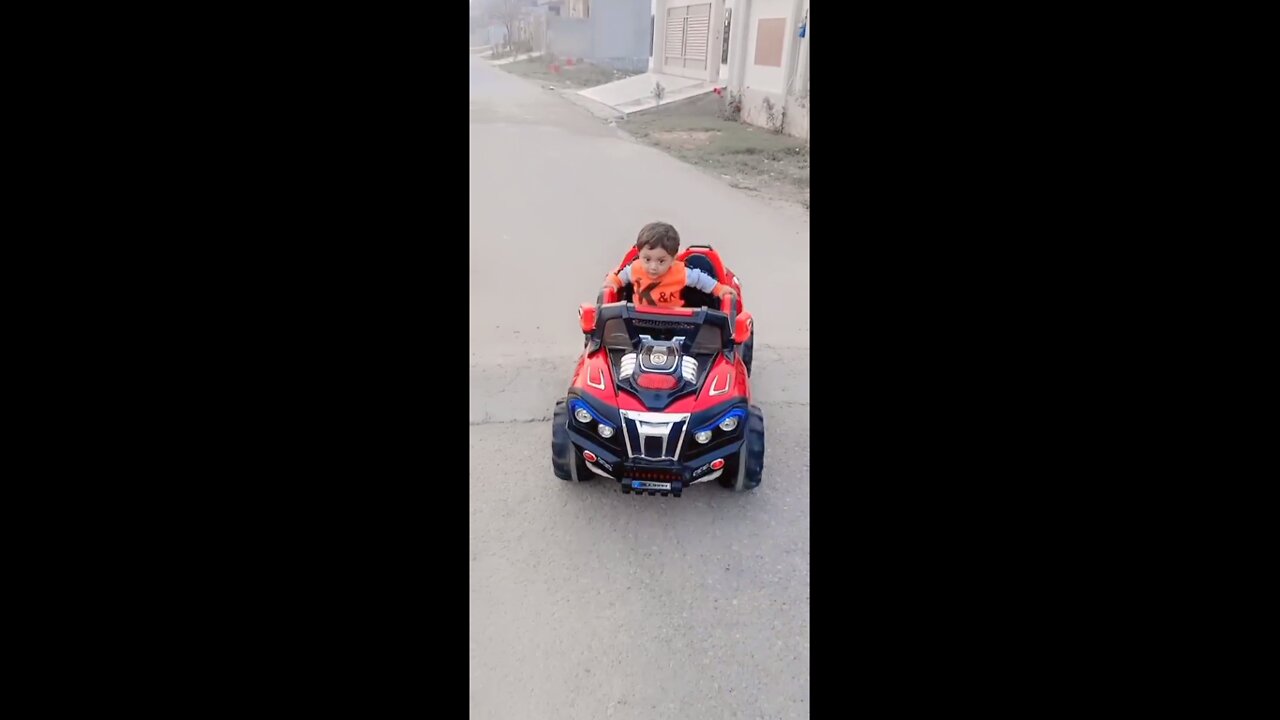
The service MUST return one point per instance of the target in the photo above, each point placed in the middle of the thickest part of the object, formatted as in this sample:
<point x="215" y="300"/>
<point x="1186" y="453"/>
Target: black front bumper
<point x="640" y="476"/>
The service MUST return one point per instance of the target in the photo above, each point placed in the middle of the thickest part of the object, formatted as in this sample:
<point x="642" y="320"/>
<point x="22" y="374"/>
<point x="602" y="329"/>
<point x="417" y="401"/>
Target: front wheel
<point x="560" y="445"/>
<point x="750" y="470"/>
<point x="565" y="463"/>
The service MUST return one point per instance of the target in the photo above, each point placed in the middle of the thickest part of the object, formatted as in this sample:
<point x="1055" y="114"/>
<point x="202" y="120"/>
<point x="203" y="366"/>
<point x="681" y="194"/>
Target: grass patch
<point x="578" y="75"/>
<point x="746" y="156"/>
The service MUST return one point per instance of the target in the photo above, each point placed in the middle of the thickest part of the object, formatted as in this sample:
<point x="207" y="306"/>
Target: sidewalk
<point x="636" y="92"/>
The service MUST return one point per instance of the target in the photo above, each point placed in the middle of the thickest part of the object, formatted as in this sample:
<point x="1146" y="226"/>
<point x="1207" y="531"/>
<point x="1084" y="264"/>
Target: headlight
<point x="589" y="418"/>
<point x="726" y="423"/>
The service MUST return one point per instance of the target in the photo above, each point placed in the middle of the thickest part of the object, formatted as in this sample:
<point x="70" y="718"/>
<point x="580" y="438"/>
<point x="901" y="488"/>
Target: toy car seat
<point x="693" y="297"/>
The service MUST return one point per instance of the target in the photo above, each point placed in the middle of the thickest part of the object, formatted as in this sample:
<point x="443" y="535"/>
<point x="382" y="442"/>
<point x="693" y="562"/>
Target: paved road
<point x="586" y="603"/>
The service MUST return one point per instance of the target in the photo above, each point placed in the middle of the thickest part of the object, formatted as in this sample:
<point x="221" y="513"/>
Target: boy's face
<point x="656" y="261"/>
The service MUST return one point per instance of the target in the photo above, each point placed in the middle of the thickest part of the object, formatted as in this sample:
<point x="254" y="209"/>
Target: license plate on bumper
<point x="635" y="486"/>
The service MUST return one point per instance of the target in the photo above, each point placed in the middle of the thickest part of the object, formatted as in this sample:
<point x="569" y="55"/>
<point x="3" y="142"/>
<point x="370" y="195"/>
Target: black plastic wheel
<point x="748" y="349"/>
<point x="560" y="445"/>
<point x="565" y="463"/>
<point x="750" y="465"/>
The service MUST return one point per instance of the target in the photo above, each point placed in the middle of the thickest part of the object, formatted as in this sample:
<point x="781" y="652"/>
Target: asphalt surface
<point x="586" y="603"/>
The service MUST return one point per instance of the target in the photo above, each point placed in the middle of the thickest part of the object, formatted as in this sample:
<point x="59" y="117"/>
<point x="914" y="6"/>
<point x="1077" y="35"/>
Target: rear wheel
<point x="750" y="467"/>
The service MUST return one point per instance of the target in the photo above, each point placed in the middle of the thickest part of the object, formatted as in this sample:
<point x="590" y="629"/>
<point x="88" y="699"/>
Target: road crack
<point x="520" y="421"/>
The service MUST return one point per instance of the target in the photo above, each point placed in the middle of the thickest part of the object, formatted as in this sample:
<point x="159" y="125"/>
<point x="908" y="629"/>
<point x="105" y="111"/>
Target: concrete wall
<point x="760" y="77"/>
<point x="797" y="117"/>
<point x="616" y="35"/>
<point x="785" y="87"/>
<point x="570" y="37"/>
<point x="492" y="35"/>
<point x="621" y="34"/>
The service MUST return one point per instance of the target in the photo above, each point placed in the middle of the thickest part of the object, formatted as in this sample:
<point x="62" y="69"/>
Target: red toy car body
<point x="661" y="397"/>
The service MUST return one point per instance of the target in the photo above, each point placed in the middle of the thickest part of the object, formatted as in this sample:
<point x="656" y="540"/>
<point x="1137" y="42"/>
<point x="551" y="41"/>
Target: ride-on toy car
<point x="661" y="398"/>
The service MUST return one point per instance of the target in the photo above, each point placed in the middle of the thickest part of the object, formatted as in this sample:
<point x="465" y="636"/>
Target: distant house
<point x="757" y="49"/>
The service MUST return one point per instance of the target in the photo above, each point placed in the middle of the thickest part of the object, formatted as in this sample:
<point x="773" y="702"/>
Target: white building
<point x="765" y="60"/>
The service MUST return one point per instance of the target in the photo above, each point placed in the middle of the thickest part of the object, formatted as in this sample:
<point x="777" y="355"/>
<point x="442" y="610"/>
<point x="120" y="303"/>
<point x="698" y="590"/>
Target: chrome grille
<point x="654" y="436"/>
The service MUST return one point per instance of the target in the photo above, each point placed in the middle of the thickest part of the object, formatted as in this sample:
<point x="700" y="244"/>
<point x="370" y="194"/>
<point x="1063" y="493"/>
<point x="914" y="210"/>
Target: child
<point x="659" y="279"/>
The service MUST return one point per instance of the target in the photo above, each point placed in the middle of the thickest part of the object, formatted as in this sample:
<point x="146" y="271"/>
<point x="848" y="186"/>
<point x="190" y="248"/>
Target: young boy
<point x="659" y="279"/>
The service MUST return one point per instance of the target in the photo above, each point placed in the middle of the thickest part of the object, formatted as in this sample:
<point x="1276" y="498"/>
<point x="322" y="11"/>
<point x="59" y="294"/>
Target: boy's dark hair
<point x="659" y="235"/>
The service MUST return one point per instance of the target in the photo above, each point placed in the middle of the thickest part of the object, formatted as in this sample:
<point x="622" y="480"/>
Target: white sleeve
<point x="697" y="279"/>
<point x="625" y="275"/>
